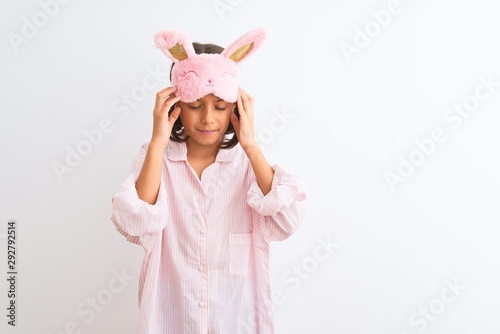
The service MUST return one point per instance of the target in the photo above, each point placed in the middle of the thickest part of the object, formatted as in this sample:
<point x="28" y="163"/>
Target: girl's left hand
<point x="244" y="127"/>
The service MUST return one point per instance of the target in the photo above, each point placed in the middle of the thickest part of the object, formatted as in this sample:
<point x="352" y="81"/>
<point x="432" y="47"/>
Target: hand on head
<point x="162" y="122"/>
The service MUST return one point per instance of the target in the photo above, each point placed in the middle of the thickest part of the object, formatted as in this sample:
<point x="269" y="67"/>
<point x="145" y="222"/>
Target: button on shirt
<point x="206" y="267"/>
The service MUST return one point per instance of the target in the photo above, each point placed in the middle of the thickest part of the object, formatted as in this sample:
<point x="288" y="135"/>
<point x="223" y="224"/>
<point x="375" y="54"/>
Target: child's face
<point x="206" y="119"/>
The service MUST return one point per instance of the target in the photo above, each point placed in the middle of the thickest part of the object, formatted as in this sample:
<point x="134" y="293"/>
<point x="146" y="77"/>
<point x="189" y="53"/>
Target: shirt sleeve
<point x="140" y="222"/>
<point x="283" y="209"/>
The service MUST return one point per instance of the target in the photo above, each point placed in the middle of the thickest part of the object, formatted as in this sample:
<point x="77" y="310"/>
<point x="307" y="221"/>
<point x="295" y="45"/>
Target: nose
<point x="207" y="117"/>
<point x="209" y="83"/>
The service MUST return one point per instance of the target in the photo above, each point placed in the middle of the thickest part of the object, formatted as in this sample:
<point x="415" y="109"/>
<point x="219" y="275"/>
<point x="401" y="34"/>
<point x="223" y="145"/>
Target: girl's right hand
<point x="162" y="122"/>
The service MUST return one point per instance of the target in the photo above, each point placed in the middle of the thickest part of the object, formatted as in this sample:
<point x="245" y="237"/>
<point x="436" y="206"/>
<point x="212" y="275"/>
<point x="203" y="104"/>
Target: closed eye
<point x="198" y="107"/>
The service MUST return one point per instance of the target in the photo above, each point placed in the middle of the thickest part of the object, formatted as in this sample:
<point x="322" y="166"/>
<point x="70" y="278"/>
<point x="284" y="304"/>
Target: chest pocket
<point x="240" y="245"/>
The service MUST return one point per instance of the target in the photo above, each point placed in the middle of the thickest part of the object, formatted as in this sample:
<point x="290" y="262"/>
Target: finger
<point x="241" y="108"/>
<point x="243" y="93"/>
<point x="163" y="107"/>
<point x="169" y="102"/>
<point x="166" y="92"/>
<point x="235" y="123"/>
<point x="245" y="99"/>
<point x="174" y="115"/>
<point x="168" y="89"/>
<point x="234" y="118"/>
<point x="172" y="99"/>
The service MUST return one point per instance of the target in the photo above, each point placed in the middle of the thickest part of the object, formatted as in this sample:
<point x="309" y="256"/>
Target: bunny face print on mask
<point x="197" y="75"/>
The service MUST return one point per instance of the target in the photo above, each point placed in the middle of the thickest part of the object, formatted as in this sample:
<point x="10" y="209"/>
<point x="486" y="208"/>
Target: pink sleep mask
<point x="197" y="75"/>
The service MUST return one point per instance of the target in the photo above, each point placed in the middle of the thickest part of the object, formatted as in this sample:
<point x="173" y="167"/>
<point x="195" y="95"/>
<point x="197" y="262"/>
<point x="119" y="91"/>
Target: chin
<point x="210" y="140"/>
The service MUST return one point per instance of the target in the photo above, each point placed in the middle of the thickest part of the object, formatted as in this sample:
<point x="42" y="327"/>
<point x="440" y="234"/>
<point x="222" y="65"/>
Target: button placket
<point x="202" y="230"/>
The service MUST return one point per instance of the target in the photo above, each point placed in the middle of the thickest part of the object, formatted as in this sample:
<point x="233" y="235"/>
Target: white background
<point x="350" y="121"/>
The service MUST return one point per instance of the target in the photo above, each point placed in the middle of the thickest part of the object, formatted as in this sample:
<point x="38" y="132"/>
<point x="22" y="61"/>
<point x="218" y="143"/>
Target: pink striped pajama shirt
<point x="206" y="268"/>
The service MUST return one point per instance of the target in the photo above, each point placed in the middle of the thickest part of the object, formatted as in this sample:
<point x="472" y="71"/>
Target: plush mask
<point x="197" y="75"/>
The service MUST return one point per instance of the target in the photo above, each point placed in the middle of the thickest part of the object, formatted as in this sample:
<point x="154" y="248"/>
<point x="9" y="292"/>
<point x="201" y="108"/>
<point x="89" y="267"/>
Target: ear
<point x="175" y="45"/>
<point x="246" y="45"/>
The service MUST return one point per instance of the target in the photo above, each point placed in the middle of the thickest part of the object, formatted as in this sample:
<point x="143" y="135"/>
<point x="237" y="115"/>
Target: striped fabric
<point x="206" y="268"/>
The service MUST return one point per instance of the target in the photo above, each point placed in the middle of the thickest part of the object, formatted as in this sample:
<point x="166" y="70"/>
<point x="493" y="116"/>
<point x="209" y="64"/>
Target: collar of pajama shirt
<point x="178" y="151"/>
<point x="206" y="267"/>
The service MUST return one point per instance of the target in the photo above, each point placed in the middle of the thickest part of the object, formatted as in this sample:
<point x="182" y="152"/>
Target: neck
<point x="201" y="152"/>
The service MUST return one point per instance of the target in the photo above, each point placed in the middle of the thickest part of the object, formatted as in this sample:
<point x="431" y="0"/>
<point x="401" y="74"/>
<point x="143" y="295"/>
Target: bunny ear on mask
<point x="245" y="46"/>
<point x="175" y="45"/>
<point x="197" y="75"/>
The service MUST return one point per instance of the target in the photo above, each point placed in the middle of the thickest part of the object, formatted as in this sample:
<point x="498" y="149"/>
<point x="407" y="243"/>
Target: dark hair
<point x="178" y="129"/>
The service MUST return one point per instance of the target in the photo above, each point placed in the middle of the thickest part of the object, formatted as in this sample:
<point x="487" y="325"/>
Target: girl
<point x="202" y="200"/>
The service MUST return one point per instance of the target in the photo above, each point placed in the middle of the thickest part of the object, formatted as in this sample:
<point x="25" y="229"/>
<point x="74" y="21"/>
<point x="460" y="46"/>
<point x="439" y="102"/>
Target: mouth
<point x="207" y="132"/>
